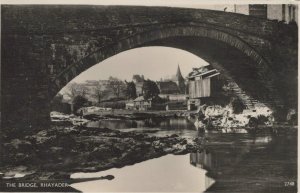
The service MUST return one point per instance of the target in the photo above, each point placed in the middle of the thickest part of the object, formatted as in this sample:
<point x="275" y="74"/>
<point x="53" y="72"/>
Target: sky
<point x="152" y="62"/>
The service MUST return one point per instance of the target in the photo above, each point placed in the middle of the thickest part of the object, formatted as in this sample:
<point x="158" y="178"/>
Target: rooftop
<point x="204" y="72"/>
<point x="168" y="87"/>
<point x="140" y="98"/>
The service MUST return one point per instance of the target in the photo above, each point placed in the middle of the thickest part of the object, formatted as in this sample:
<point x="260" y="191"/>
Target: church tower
<point x="180" y="81"/>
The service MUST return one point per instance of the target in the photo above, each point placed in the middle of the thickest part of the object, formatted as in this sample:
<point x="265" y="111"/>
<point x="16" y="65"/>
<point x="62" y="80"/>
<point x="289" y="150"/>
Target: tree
<point x="150" y="89"/>
<point x="57" y="99"/>
<point x="79" y="101"/>
<point x="237" y="105"/>
<point x="74" y="89"/>
<point x="130" y="90"/>
<point x="116" y="85"/>
<point x="137" y="78"/>
<point x="98" y="92"/>
<point x="56" y="103"/>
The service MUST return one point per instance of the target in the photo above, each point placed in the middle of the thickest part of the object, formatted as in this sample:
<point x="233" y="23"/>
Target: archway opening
<point x="232" y="56"/>
<point x="155" y="63"/>
<point x="161" y="65"/>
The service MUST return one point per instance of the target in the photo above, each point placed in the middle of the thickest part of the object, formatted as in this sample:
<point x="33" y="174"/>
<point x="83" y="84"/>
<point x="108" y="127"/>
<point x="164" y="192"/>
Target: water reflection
<point x="166" y="174"/>
<point x="223" y="151"/>
<point x="201" y="159"/>
<point x="234" y="160"/>
<point x="194" y="172"/>
<point x="167" y="124"/>
<point x="243" y="162"/>
<point x="262" y="139"/>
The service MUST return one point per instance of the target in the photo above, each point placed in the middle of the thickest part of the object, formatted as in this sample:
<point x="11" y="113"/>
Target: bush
<point x="221" y="100"/>
<point x="116" y="99"/>
<point x="177" y="105"/>
<point x="280" y="115"/>
<point x="80" y="101"/>
<point x="114" y="105"/>
<point x="237" y="105"/>
<point x="57" y="105"/>
<point x="158" y="107"/>
<point x="253" y="122"/>
<point x="262" y="120"/>
<point x="294" y="119"/>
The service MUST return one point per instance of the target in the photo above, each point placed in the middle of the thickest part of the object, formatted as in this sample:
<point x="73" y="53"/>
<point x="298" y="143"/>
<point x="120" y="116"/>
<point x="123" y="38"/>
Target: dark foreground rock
<point x="60" y="151"/>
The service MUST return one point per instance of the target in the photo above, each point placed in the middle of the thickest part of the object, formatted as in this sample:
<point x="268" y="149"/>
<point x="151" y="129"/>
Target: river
<point x="230" y="162"/>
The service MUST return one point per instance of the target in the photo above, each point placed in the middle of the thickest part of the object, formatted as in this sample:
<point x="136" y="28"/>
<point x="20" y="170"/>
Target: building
<point x="200" y="84"/>
<point x="179" y="80"/>
<point x="176" y="105"/>
<point x="280" y="12"/>
<point x="258" y="10"/>
<point x="139" y="82"/>
<point x="139" y="88"/>
<point x="142" y="104"/>
<point x="129" y="105"/>
<point x="173" y="89"/>
<point x="168" y="87"/>
<point x="285" y="12"/>
<point x="174" y="97"/>
<point x="202" y="159"/>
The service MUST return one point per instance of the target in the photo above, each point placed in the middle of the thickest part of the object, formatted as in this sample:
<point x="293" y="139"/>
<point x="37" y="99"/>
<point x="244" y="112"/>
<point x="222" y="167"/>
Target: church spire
<point x="180" y="81"/>
<point x="178" y="74"/>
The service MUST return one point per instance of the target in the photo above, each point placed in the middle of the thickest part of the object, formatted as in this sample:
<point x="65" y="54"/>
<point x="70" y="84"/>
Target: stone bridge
<point x="45" y="47"/>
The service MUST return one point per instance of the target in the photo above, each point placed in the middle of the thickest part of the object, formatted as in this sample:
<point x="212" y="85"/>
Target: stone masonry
<point x="44" y="47"/>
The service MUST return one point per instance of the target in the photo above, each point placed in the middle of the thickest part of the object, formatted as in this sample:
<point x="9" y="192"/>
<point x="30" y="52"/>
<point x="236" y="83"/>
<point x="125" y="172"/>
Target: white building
<point x="280" y="12"/>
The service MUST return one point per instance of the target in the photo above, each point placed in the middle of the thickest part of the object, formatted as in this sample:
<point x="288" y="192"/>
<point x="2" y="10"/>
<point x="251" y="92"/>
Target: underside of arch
<point x="221" y="49"/>
<point x="231" y="62"/>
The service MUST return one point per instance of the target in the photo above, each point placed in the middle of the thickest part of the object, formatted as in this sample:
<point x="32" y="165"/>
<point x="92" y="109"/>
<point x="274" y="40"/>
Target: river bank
<point x="136" y="115"/>
<point x="212" y="117"/>
<point x="60" y="151"/>
<point x="56" y="154"/>
<point x="77" y="144"/>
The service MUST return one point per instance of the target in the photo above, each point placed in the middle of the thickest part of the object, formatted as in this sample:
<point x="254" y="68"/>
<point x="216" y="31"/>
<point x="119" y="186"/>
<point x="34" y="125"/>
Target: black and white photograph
<point x="149" y="96"/>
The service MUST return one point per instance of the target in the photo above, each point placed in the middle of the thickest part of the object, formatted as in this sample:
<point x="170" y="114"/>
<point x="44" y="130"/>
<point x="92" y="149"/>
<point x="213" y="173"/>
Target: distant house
<point x="176" y="105"/>
<point x="174" y="85"/>
<point x="139" y="82"/>
<point x="139" y="88"/>
<point x="174" y="97"/>
<point x="170" y="90"/>
<point x="140" y="103"/>
<point x="173" y="89"/>
<point x="92" y="109"/>
<point x="168" y="87"/>
<point x="179" y="80"/>
<point x="200" y="84"/>
<point x="129" y="105"/>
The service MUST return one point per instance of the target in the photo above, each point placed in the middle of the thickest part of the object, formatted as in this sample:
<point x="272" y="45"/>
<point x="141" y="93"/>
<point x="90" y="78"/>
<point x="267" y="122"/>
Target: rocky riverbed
<point x="60" y="151"/>
<point x="70" y="147"/>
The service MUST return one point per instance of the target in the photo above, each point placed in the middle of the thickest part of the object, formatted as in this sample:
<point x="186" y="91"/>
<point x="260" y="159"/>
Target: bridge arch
<point x="47" y="46"/>
<point x="157" y="37"/>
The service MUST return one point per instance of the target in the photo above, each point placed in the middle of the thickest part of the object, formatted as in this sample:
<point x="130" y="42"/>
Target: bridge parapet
<point x="52" y="19"/>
